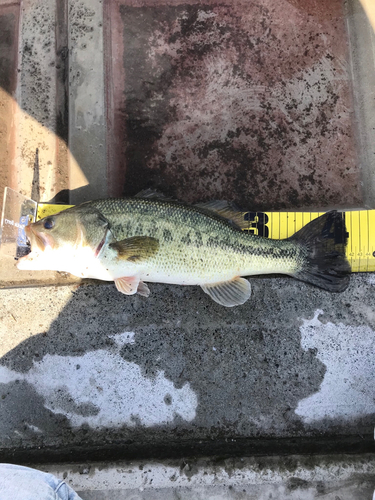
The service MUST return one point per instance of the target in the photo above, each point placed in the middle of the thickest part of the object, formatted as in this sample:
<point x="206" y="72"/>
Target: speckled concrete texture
<point x="36" y="145"/>
<point x="293" y="478"/>
<point x="33" y="158"/>
<point x="87" y="115"/>
<point x="249" y="101"/>
<point x="92" y="368"/>
<point x="8" y="71"/>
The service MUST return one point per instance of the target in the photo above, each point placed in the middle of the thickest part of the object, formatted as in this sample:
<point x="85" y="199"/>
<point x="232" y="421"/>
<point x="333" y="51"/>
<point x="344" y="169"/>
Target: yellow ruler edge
<point x="360" y="224"/>
<point x="46" y="209"/>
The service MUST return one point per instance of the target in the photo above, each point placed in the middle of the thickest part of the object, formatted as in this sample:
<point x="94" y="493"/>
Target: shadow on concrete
<point x="245" y="375"/>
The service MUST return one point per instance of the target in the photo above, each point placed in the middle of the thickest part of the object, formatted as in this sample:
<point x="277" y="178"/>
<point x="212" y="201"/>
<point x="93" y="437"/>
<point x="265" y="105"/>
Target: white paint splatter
<point x="371" y="279"/>
<point x="123" y="338"/>
<point x="100" y="388"/>
<point x="347" y="390"/>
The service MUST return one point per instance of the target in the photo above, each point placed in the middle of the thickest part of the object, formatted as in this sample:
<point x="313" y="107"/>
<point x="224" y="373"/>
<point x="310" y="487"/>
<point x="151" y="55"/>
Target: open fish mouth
<point x="30" y="257"/>
<point x="23" y="248"/>
<point x="26" y="249"/>
<point x="35" y="240"/>
<point x="28" y="239"/>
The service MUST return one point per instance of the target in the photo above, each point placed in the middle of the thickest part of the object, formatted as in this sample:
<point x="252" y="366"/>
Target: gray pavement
<point x="88" y="369"/>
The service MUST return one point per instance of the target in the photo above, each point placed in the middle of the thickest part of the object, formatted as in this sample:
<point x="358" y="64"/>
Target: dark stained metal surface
<point x="247" y="101"/>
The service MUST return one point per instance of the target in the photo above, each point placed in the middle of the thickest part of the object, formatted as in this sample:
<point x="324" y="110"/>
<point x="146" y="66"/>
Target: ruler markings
<point x="368" y="234"/>
<point x="351" y="240"/>
<point x="359" y="241"/>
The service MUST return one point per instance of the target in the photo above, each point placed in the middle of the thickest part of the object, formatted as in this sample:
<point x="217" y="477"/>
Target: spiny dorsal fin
<point x="150" y="194"/>
<point x="226" y="210"/>
<point x="229" y="293"/>
<point x="136" y="248"/>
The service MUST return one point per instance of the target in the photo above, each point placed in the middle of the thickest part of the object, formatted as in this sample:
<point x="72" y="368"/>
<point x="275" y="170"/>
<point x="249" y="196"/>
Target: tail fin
<point x="326" y="265"/>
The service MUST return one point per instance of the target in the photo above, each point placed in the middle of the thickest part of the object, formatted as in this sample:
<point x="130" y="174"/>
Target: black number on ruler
<point x="257" y="223"/>
<point x="335" y="231"/>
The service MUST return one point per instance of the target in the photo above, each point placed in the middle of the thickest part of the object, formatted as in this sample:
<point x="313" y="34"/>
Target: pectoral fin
<point x="229" y="293"/>
<point x="136" y="248"/>
<point x="127" y="286"/>
<point x="131" y="285"/>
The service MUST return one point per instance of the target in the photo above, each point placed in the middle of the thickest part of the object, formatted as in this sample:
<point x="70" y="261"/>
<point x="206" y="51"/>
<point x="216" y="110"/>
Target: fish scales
<point x="195" y="244"/>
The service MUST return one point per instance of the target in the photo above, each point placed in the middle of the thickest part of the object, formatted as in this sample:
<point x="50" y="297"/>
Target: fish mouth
<point x="37" y="244"/>
<point x="25" y="249"/>
<point x="36" y="240"/>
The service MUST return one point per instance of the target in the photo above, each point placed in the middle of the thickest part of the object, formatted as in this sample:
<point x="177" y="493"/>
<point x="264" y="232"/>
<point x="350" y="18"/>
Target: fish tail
<point x="324" y="240"/>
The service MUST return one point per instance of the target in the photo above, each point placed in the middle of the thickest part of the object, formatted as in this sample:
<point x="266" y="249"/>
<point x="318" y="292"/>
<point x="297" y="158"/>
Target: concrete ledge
<point x="295" y="477"/>
<point x="362" y="51"/>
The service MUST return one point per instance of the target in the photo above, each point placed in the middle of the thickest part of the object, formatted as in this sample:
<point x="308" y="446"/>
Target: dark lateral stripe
<point x="264" y="251"/>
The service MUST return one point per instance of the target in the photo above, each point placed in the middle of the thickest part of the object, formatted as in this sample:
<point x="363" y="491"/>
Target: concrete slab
<point x="87" y="370"/>
<point x="303" y="478"/>
<point x="9" y="16"/>
<point x="36" y="146"/>
<point x="87" y="114"/>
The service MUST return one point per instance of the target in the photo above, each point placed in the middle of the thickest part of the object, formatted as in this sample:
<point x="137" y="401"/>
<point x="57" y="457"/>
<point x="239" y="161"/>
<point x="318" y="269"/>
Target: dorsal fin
<point x="226" y="210"/>
<point x="150" y="194"/>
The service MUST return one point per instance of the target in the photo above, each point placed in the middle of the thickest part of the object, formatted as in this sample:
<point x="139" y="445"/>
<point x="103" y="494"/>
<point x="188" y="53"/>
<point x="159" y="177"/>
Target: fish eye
<point x="49" y="223"/>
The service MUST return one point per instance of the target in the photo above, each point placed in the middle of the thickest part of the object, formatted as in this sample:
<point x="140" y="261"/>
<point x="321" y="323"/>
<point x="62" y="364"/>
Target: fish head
<point x="58" y="241"/>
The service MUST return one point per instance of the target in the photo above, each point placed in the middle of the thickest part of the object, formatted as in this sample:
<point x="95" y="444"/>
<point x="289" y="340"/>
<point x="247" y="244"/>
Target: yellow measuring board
<point x="360" y="227"/>
<point x="46" y="209"/>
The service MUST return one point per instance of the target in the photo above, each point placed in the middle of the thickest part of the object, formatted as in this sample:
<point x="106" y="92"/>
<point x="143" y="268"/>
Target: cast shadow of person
<point x="173" y="367"/>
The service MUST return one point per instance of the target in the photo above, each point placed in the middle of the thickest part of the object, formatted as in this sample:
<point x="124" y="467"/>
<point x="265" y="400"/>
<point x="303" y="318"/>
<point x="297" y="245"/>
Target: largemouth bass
<point x="137" y="240"/>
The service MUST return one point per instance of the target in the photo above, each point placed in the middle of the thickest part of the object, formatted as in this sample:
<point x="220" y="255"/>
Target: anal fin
<point x="229" y="293"/>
